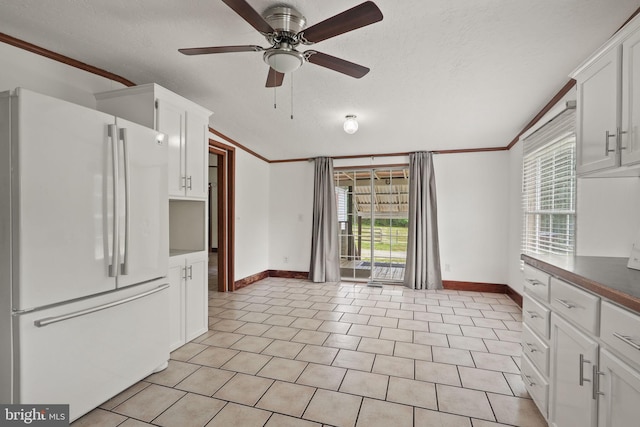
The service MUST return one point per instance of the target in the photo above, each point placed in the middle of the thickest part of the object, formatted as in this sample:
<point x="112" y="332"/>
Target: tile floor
<point x="289" y="353"/>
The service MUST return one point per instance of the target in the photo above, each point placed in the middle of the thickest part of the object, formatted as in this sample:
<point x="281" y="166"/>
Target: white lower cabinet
<point x="619" y="392"/>
<point x="573" y="357"/>
<point x="187" y="297"/>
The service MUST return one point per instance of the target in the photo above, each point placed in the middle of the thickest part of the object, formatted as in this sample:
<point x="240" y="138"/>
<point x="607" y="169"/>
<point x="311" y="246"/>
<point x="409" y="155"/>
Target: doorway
<point x="373" y="209"/>
<point x="221" y="235"/>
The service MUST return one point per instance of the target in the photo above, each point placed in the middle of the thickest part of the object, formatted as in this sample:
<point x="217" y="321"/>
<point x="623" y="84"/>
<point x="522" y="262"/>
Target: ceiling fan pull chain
<point x="274" y="97"/>
<point x="291" y="95"/>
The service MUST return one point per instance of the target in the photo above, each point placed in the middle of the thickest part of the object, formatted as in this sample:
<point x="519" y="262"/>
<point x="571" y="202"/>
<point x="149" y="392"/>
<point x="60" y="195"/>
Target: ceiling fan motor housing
<point x="287" y="23"/>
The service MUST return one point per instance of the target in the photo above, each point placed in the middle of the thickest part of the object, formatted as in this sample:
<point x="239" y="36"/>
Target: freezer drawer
<point x="84" y="353"/>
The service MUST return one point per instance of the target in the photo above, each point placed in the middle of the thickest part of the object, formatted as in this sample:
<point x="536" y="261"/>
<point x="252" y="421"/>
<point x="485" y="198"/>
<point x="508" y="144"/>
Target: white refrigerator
<point x="83" y="253"/>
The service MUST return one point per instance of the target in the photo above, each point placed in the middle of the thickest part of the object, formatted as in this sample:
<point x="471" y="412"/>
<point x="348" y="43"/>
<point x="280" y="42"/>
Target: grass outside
<point x="385" y="239"/>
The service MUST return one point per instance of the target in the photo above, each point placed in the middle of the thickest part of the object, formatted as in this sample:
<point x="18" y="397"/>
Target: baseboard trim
<point x="514" y="295"/>
<point x="239" y="284"/>
<point x="495" y="288"/>
<point x="289" y="274"/>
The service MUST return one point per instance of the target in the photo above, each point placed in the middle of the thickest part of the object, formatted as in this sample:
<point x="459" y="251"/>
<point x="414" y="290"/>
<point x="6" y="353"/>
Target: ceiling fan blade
<point x="274" y="79"/>
<point x="357" y="17"/>
<point x="219" y="49"/>
<point x="250" y="15"/>
<point x="336" y="64"/>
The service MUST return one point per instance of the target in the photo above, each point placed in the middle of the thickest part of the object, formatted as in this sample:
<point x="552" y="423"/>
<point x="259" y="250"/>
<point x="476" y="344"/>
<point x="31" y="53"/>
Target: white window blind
<point x="549" y="188"/>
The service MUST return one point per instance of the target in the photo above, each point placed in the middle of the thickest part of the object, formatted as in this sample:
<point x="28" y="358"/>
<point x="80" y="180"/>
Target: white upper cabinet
<point x="608" y="106"/>
<point x="630" y="135"/>
<point x="183" y="122"/>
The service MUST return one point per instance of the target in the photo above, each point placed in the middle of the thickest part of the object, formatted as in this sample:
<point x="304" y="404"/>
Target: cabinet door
<point x="196" y="296"/>
<point x="572" y="359"/>
<point x="197" y="159"/>
<point x="176" y="305"/>
<point x="620" y="388"/>
<point x="630" y="137"/>
<point x="598" y="111"/>
<point x="171" y="122"/>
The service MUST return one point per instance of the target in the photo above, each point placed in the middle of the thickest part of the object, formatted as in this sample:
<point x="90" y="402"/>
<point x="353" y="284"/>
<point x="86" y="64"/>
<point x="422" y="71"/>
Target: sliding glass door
<point x="373" y="217"/>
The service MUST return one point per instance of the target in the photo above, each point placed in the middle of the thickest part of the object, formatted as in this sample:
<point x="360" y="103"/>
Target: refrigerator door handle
<point x="115" y="255"/>
<point x="127" y="200"/>
<point x="50" y="320"/>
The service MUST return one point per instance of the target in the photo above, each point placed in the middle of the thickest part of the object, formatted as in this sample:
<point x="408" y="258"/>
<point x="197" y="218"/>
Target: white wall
<point x="290" y="215"/>
<point x="514" y="271"/>
<point x="24" y="69"/>
<point x="472" y="191"/>
<point x="252" y="215"/>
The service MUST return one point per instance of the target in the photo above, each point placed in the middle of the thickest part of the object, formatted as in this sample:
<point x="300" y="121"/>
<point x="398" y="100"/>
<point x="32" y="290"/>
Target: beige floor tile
<point x="453" y="356"/>
<point x="334" y="327"/>
<point x="333" y="408"/>
<point x="513" y="336"/>
<point x="238" y="415"/>
<point x="482" y="379"/>
<point x="149" y="403"/>
<point x="300" y="303"/>
<point x="374" y="345"/>
<point x="457" y="320"/>
<point x="347" y="342"/>
<point x="255" y="329"/>
<point x="247" y="363"/>
<point x="328" y="315"/>
<point x="328" y="377"/>
<point x="440" y="373"/>
<point x="504" y="347"/>
<point x="359" y="319"/>
<point x="132" y="423"/>
<point x="244" y="389"/>
<point x="354" y="360"/>
<point x="323" y="306"/>
<point x="425" y="417"/>
<point x="461" y="401"/>
<point x="413" y="351"/>
<point x="373" y="311"/>
<point x="254" y="317"/>
<point x="441" y="309"/>
<point x="281" y="333"/>
<point x="205" y="380"/>
<point x="483" y="423"/>
<point x="283" y="311"/>
<point x="413" y="325"/>
<point x="286" y="398"/>
<point x="467" y="343"/>
<point x="497" y="315"/>
<point x="222" y="339"/>
<point x="231" y="314"/>
<point x="310" y="337"/>
<point x="252" y="344"/>
<point x="516" y="411"/>
<point x="375" y="413"/>
<point x="187" y="351"/>
<point x="97" y="417"/>
<point x="365" y="384"/>
<point x="517" y="385"/>
<point x="279" y="320"/>
<point x="304" y="323"/>
<point x="364" y="331"/>
<point x="495" y="362"/>
<point x="258" y="307"/>
<point x="227" y="325"/>
<point x="345" y="308"/>
<point x="303" y="312"/>
<point x="489" y="323"/>
<point x="400" y="314"/>
<point x="397" y="366"/>
<point x="474" y="331"/>
<point x="192" y="410"/>
<point x="284" y="349"/>
<point x="283" y="369"/>
<point x="394" y="334"/>
<point x="278" y="420"/>
<point x="388" y="304"/>
<point x="412" y="392"/>
<point x="428" y="317"/>
<point x="118" y="399"/>
<point x="431" y="339"/>
<point x="385" y="322"/>
<point x="444" y="328"/>
<point x="317" y="354"/>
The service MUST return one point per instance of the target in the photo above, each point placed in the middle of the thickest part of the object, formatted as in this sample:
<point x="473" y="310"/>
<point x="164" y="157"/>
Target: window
<point x="549" y="188"/>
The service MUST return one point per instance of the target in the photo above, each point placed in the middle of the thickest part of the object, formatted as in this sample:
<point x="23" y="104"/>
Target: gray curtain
<point x="423" y="252"/>
<point x="325" y="248"/>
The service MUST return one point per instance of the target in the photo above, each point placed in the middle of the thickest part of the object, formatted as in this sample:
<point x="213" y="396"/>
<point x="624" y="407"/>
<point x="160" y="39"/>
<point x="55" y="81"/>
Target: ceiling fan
<point x="284" y="28"/>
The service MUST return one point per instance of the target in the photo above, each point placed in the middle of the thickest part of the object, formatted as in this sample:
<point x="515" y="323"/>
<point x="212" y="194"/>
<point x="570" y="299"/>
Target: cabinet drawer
<point x="536" y="385"/>
<point x="620" y="329"/>
<point x="575" y="304"/>
<point x="536" y="283"/>
<point x="535" y="315"/>
<point x="535" y="349"/>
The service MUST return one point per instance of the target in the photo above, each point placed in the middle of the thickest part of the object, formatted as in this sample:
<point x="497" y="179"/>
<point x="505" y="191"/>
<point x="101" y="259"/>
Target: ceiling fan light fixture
<point x="284" y="60"/>
<point x="350" y="125"/>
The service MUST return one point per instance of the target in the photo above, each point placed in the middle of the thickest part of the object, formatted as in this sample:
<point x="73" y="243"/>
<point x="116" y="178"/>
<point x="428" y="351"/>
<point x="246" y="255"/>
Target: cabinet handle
<point x="533" y="314"/>
<point x="529" y="382"/>
<point x="582" y="362"/>
<point x="190" y="272"/>
<point x="606" y="145"/>
<point x="566" y="304"/>
<point x="535" y="282"/>
<point x="184" y="274"/>
<point x="622" y="132"/>
<point x="532" y="348"/>
<point x="184" y="182"/>
<point x="596" y="383"/>
<point x="189" y="186"/>
<point x="626" y="340"/>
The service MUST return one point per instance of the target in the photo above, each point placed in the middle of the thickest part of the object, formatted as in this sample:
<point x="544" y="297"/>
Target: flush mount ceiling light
<point x="350" y="124"/>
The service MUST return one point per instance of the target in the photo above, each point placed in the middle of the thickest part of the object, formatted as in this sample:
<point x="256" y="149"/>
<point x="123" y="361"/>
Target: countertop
<point x="606" y="276"/>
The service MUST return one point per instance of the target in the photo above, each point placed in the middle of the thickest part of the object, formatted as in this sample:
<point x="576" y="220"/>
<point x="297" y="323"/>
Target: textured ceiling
<point x="445" y="74"/>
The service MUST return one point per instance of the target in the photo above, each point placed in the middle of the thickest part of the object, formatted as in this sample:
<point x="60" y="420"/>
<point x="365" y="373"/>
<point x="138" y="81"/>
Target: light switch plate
<point x="634" y="259"/>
